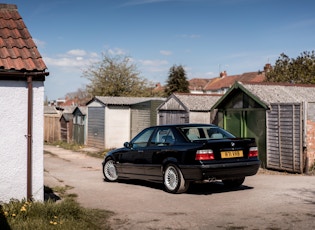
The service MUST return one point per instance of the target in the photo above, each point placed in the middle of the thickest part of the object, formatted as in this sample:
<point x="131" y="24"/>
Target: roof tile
<point x="228" y="81"/>
<point x="198" y="102"/>
<point x="17" y="48"/>
<point x="281" y="93"/>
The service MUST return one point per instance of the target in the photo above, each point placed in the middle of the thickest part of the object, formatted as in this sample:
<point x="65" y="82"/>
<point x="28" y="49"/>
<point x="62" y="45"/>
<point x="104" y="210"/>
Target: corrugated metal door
<point x="96" y="124"/>
<point x="285" y="137"/>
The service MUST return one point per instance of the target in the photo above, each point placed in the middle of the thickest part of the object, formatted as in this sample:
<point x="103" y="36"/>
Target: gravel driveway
<point x="265" y="201"/>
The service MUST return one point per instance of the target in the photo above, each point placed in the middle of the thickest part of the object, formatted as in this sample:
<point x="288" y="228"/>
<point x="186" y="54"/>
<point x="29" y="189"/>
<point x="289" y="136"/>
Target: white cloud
<point x="153" y="62"/>
<point x="166" y="52"/>
<point x="116" y="51"/>
<point x="63" y="62"/>
<point x="77" y="52"/>
<point x="72" y="58"/>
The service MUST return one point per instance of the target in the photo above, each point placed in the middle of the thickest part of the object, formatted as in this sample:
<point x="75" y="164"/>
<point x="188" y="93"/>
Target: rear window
<point x="205" y="133"/>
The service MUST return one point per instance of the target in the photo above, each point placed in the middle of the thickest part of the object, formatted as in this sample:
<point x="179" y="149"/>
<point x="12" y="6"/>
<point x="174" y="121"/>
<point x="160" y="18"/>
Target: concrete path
<point x="263" y="202"/>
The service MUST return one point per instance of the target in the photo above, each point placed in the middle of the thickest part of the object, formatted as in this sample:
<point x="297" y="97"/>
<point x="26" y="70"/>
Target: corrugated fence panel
<point x="284" y="137"/>
<point x="140" y="118"/>
<point x="96" y="124"/>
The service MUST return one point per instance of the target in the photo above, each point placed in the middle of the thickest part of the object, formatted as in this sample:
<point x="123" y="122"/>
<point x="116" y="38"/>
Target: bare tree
<point x="116" y="76"/>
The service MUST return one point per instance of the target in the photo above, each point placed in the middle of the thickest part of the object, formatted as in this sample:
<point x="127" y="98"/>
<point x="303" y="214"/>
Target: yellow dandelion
<point x="14" y="215"/>
<point x="23" y="209"/>
<point x="55" y="217"/>
<point x="51" y="222"/>
<point x="55" y="223"/>
<point x="6" y="213"/>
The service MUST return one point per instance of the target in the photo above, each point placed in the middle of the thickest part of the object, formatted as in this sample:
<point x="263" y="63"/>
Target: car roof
<point x="186" y="125"/>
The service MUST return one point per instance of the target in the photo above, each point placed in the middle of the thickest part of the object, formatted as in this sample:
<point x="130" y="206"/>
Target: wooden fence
<point x="52" y="128"/>
<point x="285" y="137"/>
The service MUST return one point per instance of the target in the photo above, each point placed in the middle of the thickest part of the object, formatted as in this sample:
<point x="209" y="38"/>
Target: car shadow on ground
<point x="213" y="188"/>
<point x="194" y="188"/>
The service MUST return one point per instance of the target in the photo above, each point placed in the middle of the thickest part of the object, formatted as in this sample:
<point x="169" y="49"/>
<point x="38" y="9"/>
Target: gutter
<point x="30" y="76"/>
<point x="29" y="135"/>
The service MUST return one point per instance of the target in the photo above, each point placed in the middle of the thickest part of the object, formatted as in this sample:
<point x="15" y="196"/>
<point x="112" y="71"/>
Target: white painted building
<point x="115" y="120"/>
<point x="22" y="79"/>
<point x="13" y="141"/>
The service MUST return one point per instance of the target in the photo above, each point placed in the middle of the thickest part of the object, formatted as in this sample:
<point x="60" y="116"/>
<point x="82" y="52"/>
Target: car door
<point x="160" y="145"/>
<point x="131" y="162"/>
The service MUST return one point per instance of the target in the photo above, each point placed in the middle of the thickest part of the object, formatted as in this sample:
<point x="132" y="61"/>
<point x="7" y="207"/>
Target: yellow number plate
<point x="231" y="154"/>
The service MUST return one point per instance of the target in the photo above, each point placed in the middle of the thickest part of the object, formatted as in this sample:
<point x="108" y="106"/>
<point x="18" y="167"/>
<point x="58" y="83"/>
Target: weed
<point x="66" y="214"/>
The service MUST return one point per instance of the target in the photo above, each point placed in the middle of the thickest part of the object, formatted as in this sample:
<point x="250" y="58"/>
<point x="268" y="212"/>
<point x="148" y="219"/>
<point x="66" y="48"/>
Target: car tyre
<point x="110" y="171"/>
<point x="173" y="180"/>
<point x="233" y="183"/>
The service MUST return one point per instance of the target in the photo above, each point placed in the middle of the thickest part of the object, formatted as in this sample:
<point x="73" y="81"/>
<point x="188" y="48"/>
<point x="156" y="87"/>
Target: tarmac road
<point x="278" y="201"/>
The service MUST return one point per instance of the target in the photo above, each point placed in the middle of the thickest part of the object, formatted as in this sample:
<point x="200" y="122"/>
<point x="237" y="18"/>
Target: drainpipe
<point x="29" y="136"/>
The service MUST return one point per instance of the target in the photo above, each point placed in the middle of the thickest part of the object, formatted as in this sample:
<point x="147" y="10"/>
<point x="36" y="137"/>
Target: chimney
<point x="223" y="74"/>
<point x="267" y="67"/>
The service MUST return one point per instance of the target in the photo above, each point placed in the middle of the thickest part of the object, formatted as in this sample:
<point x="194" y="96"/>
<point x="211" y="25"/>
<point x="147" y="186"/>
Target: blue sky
<point x="205" y="36"/>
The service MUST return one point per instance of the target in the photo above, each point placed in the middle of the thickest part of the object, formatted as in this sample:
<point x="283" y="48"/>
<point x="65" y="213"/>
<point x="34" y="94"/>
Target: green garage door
<point x="248" y="123"/>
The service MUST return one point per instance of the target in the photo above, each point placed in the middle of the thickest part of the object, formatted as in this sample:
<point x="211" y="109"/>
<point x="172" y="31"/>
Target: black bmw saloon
<point x="177" y="155"/>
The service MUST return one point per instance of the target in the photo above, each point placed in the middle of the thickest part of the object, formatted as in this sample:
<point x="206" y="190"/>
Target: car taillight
<point x="204" y="155"/>
<point x="253" y="152"/>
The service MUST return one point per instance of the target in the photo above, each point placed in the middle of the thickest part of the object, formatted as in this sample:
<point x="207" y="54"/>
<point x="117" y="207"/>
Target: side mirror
<point x="128" y="145"/>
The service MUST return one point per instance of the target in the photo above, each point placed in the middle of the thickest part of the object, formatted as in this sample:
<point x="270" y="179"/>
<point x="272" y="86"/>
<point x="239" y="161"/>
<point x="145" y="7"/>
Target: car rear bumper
<point x="220" y="171"/>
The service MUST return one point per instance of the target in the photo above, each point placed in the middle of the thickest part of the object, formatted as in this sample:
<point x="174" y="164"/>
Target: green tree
<point x="115" y="76"/>
<point x="300" y="70"/>
<point x="177" y="81"/>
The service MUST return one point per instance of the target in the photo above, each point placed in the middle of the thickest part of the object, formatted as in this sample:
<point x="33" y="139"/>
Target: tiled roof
<point x="281" y="93"/>
<point x="17" y="48"/>
<point x="68" y="109"/>
<point x="198" y="102"/>
<point x="67" y="116"/>
<point x="228" y="81"/>
<point x="198" y="83"/>
<point x="83" y="109"/>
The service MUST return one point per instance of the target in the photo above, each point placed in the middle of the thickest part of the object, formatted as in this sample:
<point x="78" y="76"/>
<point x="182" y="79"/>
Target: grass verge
<point x="66" y="214"/>
<point x="79" y="148"/>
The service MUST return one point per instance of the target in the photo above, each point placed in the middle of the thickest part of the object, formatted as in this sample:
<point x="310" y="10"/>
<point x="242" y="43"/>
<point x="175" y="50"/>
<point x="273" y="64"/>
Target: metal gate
<point x="285" y="137"/>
